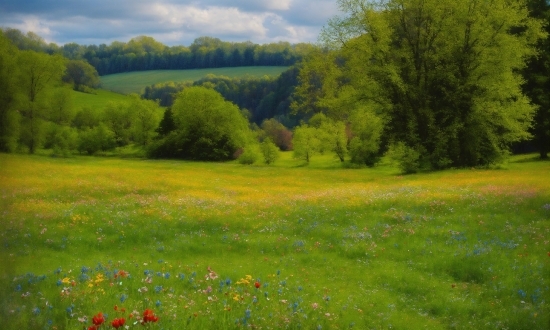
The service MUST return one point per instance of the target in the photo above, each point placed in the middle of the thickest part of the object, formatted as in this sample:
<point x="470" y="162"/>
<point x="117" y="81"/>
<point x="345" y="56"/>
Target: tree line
<point x="263" y="98"/>
<point x="145" y="53"/>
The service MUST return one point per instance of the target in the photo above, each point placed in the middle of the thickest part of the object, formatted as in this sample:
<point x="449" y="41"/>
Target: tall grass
<point x="329" y="248"/>
<point x="135" y="82"/>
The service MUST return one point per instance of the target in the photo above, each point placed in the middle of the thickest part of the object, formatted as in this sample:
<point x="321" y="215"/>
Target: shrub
<point x="248" y="157"/>
<point x="270" y="151"/>
<point x="407" y="158"/>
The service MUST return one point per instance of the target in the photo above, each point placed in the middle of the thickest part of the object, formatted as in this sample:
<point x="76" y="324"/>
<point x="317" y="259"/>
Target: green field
<point x="135" y="82"/>
<point x="97" y="100"/>
<point x="226" y="246"/>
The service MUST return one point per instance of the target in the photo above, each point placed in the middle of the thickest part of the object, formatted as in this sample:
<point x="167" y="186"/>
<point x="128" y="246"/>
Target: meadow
<point x="99" y="243"/>
<point x="135" y="82"/>
<point x="96" y="100"/>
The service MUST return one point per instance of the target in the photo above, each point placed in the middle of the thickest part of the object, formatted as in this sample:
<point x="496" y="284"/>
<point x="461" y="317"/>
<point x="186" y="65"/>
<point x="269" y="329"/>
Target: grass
<point x="135" y="82"/>
<point x="330" y="248"/>
<point x="98" y="100"/>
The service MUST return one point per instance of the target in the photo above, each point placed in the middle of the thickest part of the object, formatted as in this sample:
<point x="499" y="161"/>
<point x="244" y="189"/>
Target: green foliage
<point x="98" y="138"/>
<point x="81" y="74"/>
<point x="277" y="133"/>
<point x="537" y="80"/>
<point x="248" y="157"/>
<point x="9" y="117"/>
<point x="206" y="127"/>
<point x="407" y="158"/>
<point x="270" y="151"/>
<point x="265" y="96"/>
<point x="443" y="76"/>
<point x="63" y="140"/>
<point x="306" y="142"/>
<point x="367" y="129"/>
<point x="333" y="135"/>
<point x="39" y="75"/>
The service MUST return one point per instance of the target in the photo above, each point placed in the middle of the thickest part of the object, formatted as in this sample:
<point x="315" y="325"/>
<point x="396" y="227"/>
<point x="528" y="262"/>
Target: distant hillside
<point x="135" y="82"/>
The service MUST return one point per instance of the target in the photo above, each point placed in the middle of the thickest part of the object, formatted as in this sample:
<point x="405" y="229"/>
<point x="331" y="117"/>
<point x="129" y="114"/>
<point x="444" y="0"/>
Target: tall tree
<point x="537" y="76"/>
<point x="442" y="75"/>
<point x="39" y="75"/>
<point x="9" y="117"/>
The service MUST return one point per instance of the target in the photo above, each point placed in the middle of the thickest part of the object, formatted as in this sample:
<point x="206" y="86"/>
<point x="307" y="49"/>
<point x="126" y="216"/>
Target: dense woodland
<point x="431" y="84"/>
<point x="145" y="53"/>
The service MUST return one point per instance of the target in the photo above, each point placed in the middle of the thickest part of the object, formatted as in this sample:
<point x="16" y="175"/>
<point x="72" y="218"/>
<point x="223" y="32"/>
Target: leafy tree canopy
<point x="442" y="76"/>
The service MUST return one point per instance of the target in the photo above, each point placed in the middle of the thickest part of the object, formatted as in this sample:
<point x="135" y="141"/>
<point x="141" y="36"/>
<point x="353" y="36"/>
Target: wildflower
<point x="314" y="305"/>
<point x="66" y="280"/>
<point x="117" y="323"/>
<point x="98" y="319"/>
<point x="257" y="285"/>
<point x="121" y="273"/>
<point x="149" y="316"/>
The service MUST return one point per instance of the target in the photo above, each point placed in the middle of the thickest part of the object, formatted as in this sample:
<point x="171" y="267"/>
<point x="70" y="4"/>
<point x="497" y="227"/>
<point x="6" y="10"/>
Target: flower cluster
<point x="149" y="316"/>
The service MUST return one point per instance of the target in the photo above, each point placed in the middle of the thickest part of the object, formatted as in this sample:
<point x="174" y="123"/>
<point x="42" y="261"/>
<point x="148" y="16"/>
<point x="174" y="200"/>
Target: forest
<point x="145" y="53"/>
<point x="431" y="85"/>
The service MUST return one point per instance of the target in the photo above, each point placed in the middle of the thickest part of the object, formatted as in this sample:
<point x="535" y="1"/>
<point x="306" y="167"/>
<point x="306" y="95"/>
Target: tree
<point x="270" y="151"/>
<point x="332" y="134"/>
<point x="306" y="142"/>
<point x="442" y="75"/>
<point x="537" y="76"/>
<point x="364" y="146"/>
<point x="39" y="75"/>
<point x="206" y="127"/>
<point x="277" y="133"/>
<point x="146" y="115"/>
<point x="119" y="118"/>
<point x="9" y="117"/>
<point x="81" y="75"/>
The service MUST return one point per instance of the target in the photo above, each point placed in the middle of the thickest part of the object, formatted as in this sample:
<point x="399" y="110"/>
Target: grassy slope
<point x="135" y="82"/>
<point x="98" y="100"/>
<point x="464" y="249"/>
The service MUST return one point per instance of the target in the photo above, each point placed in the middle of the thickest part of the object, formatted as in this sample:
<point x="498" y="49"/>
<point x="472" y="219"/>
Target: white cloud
<point x="173" y="22"/>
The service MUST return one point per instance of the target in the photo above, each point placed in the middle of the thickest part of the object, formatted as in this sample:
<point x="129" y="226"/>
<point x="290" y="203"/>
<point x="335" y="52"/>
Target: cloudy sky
<point x="172" y="22"/>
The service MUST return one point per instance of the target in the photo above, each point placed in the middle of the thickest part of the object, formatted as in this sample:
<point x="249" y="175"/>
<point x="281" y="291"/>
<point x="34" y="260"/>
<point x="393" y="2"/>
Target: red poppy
<point x="98" y="319"/>
<point x="93" y="327"/>
<point x="257" y="285"/>
<point x="118" y="322"/>
<point x="149" y="316"/>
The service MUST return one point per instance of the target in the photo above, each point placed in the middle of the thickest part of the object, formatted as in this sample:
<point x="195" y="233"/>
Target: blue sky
<point x="172" y="22"/>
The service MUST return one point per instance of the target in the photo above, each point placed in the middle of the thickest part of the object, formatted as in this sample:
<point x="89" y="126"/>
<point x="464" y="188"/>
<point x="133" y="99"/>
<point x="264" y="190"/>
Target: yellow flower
<point x="236" y="297"/>
<point x="66" y="280"/>
<point x="99" y="278"/>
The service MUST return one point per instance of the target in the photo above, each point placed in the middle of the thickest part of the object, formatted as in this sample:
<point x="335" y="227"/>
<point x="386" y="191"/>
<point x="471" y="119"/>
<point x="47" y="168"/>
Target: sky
<point x="172" y="22"/>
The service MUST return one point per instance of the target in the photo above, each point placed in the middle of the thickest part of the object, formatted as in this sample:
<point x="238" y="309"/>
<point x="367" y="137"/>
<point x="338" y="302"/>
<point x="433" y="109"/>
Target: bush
<point x="270" y="151"/>
<point x="248" y="157"/>
<point x="407" y="158"/>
